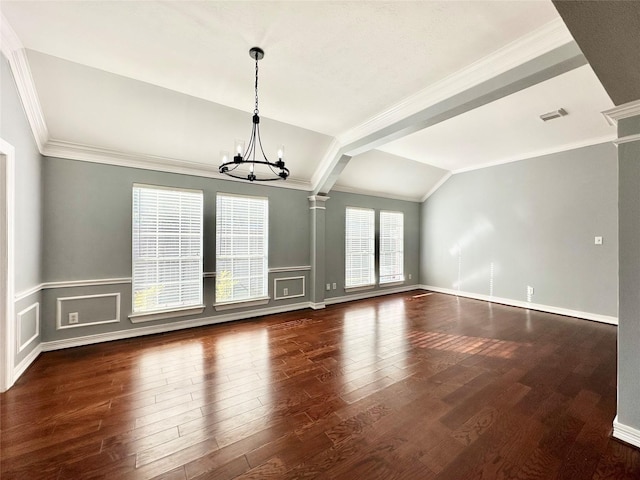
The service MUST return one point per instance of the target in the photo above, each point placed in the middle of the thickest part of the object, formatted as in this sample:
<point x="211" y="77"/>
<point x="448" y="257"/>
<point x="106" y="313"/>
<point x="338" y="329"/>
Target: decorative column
<point x="318" y="249"/>
<point x="626" y="425"/>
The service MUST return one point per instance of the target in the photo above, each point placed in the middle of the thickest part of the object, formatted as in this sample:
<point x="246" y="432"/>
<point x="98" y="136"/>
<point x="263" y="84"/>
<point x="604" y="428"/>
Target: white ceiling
<point x="174" y="80"/>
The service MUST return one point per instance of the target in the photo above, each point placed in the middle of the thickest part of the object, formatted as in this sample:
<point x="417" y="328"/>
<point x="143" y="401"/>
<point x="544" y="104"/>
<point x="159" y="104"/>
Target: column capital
<point x="316" y="202"/>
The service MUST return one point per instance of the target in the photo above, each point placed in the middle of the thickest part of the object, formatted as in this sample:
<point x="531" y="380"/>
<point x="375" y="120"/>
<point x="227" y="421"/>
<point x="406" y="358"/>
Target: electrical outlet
<point x="328" y="286"/>
<point x="598" y="240"/>
<point x="529" y="290"/>
<point x="409" y="276"/>
<point x="334" y="286"/>
<point x="285" y="291"/>
<point x="73" y="318"/>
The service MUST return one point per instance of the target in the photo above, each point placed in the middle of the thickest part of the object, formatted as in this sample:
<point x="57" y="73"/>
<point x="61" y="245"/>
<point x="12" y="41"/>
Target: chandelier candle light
<point x="237" y="167"/>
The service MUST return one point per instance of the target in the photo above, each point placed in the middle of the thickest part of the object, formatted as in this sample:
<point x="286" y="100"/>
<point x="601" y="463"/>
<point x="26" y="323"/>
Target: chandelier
<point x="244" y="164"/>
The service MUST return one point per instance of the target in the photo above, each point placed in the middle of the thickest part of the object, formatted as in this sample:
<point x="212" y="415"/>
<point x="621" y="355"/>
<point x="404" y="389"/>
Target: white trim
<point x="626" y="110"/>
<point x="13" y="49"/>
<point x="314" y="199"/>
<point x="251" y="302"/>
<point x="317" y="306"/>
<point x="168" y="327"/>
<point x="626" y="433"/>
<point x="326" y="164"/>
<point x="27" y="293"/>
<point x="627" y="139"/>
<point x="163" y="314"/>
<point x="21" y="347"/>
<point x="370" y="294"/>
<point x="300" y="268"/>
<point x="86" y="283"/>
<point x="27" y="361"/>
<point x="540" y="153"/>
<point x="149" y="186"/>
<point x="69" y="284"/>
<point x="596" y="317"/>
<point x="438" y="184"/>
<point x="87" y="153"/>
<point x="7" y="245"/>
<point x="526" y="48"/>
<point x="275" y="289"/>
<point x="60" y="326"/>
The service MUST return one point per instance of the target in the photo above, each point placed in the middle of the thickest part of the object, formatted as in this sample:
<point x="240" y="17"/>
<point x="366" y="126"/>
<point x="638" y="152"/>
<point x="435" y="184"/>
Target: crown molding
<point x="627" y="139"/>
<point x="541" y="153"/>
<point x="626" y="110"/>
<point x="87" y="153"/>
<point x="439" y="183"/>
<point x="546" y="38"/>
<point x="15" y="53"/>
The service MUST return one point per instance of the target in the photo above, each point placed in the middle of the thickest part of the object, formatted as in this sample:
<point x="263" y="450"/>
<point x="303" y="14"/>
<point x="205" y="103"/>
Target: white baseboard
<point x="168" y="327"/>
<point x="596" y="317"/>
<point x="26" y="362"/>
<point x="370" y="294"/>
<point x="626" y="433"/>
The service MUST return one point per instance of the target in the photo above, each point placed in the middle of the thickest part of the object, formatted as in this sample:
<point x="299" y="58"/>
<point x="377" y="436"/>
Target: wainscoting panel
<point x="27" y="326"/>
<point x="90" y="310"/>
<point x="289" y="287"/>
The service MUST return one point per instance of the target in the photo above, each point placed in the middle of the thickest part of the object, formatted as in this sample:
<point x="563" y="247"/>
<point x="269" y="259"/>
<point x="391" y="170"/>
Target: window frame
<point x="237" y="302"/>
<point x="399" y="277"/>
<point x="175" y="309"/>
<point x="369" y="252"/>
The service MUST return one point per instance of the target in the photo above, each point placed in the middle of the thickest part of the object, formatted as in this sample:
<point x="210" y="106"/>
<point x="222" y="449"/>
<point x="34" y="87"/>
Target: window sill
<point x="250" y="302"/>
<point x="162" y="314"/>
<point x="359" y="288"/>
<point x="395" y="283"/>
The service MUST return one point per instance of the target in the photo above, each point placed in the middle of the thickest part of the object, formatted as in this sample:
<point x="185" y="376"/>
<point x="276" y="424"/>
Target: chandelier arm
<point x="252" y="144"/>
<point x="261" y="149"/>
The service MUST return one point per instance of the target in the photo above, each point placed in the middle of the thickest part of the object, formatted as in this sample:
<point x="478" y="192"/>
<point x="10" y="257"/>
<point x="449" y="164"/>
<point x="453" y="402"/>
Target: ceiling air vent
<point x="545" y="117"/>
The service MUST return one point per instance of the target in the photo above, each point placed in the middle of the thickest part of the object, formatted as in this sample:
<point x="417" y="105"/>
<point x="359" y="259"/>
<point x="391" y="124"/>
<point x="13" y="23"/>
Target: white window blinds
<point x="391" y="247"/>
<point x="167" y="248"/>
<point x="359" y="247"/>
<point x="242" y="228"/>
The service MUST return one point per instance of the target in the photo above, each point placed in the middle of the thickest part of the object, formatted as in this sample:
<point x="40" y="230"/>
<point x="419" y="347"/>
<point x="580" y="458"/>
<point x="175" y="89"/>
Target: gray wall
<point x="335" y="227"/>
<point x="629" y="326"/>
<point x="87" y="226"/>
<point x="497" y="230"/>
<point x="15" y="129"/>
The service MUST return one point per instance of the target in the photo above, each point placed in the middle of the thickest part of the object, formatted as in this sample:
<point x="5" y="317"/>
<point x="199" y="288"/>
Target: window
<point x="167" y="248"/>
<point x="359" y="248"/>
<point x="242" y="227"/>
<point x="391" y="247"/>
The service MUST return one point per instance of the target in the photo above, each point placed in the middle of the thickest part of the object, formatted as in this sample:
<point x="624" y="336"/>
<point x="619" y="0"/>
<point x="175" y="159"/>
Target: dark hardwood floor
<point x="408" y="386"/>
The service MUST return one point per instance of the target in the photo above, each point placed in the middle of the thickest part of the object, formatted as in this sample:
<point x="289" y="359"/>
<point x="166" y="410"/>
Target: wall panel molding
<point x="284" y="297"/>
<point x="61" y="300"/>
<point x="20" y="346"/>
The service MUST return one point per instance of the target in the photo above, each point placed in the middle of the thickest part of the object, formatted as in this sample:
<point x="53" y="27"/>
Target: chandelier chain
<point x="255" y="111"/>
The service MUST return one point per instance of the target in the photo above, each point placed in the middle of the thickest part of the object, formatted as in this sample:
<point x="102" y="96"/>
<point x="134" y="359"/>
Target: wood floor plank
<point x="406" y="386"/>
